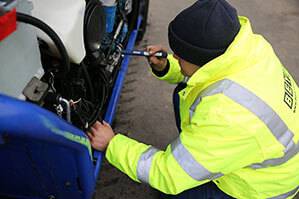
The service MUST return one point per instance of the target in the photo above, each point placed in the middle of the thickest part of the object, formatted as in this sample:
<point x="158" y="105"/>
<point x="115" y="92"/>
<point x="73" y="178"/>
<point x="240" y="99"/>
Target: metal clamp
<point x="7" y="5"/>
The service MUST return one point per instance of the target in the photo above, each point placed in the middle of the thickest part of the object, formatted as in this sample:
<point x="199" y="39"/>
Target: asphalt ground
<point x="145" y="110"/>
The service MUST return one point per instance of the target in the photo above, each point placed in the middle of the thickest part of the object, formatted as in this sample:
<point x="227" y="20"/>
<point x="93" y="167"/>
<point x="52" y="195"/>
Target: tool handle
<point x="161" y="54"/>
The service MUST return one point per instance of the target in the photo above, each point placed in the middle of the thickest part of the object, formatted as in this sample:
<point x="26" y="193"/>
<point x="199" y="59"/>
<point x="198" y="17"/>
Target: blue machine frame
<point x="43" y="156"/>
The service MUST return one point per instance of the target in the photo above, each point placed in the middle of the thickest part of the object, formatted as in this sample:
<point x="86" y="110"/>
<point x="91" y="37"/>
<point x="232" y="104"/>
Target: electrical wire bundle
<point x="86" y="93"/>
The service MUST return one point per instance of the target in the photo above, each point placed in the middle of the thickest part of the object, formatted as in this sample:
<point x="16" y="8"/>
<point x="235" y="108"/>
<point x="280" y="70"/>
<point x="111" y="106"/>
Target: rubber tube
<point x="24" y="18"/>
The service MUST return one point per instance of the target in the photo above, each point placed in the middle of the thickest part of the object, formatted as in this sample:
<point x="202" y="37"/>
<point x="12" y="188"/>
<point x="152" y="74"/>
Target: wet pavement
<point x="145" y="110"/>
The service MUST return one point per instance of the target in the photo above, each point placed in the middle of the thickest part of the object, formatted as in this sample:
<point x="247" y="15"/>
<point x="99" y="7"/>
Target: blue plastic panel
<point x="41" y="155"/>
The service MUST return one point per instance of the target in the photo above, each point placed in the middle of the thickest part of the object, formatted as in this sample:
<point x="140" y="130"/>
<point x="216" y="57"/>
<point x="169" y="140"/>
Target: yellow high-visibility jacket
<point x="240" y="128"/>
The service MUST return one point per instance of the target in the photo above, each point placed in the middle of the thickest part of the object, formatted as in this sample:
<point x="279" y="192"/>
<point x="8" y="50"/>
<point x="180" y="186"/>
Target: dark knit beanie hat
<point x="203" y="31"/>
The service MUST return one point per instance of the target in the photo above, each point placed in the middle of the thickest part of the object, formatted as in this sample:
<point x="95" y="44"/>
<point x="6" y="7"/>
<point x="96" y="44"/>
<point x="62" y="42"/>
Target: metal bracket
<point x="36" y="90"/>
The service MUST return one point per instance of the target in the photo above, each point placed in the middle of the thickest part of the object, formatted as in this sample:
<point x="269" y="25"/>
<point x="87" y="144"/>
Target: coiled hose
<point x="24" y="18"/>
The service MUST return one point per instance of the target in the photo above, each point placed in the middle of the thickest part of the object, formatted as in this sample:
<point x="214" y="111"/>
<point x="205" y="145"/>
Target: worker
<point x="236" y="108"/>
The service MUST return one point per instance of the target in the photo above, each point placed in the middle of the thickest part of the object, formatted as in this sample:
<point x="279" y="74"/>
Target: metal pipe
<point x="68" y="108"/>
<point x="120" y="25"/>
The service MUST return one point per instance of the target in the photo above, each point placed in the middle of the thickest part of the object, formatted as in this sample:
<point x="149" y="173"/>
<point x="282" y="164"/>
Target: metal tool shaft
<point x="160" y="54"/>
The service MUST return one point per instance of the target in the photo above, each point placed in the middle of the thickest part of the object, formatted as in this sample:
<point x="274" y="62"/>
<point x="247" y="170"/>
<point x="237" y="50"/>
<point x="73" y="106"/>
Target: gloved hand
<point x="157" y="64"/>
<point x="100" y="135"/>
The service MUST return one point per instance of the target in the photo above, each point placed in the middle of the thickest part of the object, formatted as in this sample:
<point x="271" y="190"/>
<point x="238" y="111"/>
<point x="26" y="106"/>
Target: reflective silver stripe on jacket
<point x="260" y="109"/>
<point x="193" y="107"/>
<point x="189" y="164"/>
<point x="145" y="163"/>
<point x="285" y="195"/>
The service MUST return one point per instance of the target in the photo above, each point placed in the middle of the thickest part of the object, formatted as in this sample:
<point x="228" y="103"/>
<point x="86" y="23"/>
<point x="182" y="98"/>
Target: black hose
<point x="97" y="114"/>
<point x="89" y="83"/>
<point x="102" y="86"/>
<point x="21" y="17"/>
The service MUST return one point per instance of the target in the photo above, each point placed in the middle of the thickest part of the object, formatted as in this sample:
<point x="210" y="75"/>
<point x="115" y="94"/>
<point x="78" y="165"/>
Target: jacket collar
<point x="226" y="63"/>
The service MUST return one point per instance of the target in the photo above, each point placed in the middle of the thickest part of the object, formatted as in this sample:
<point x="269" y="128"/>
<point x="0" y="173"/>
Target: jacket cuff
<point x="163" y="72"/>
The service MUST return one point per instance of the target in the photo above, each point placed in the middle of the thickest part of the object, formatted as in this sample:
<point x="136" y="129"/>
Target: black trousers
<point x="205" y="191"/>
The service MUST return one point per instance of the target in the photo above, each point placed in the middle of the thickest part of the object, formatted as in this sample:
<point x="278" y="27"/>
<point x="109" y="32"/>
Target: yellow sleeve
<point x="174" y="74"/>
<point x="124" y="153"/>
<point x="158" y="168"/>
<point x="210" y="147"/>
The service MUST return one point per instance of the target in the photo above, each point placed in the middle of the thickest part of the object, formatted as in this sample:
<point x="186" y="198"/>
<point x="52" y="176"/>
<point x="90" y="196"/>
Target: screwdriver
<point x="159" y="54"/>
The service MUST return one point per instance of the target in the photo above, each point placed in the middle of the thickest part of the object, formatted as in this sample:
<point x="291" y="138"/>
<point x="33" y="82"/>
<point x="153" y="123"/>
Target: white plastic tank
<point x="66" y="17"/>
